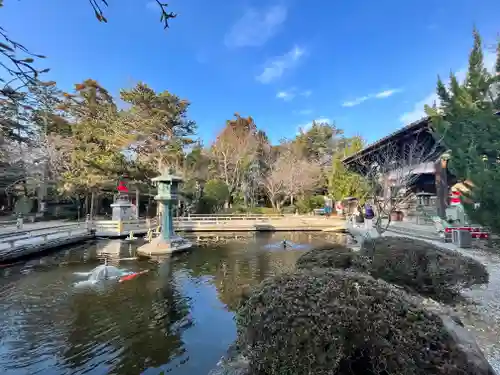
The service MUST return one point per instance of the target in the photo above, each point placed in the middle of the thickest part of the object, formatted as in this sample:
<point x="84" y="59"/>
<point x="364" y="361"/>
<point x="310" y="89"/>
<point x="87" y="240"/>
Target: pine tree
<point x="466" y="122"/>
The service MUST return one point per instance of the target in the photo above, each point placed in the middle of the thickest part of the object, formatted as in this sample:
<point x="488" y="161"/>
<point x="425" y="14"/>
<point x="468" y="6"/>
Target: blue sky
<point x="369" y="66"/>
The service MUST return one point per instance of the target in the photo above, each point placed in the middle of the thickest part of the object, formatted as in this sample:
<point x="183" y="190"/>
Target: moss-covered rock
<point x="422" y="266"/>
<point x="329" y="256"/>
<point x="335" y="322"/>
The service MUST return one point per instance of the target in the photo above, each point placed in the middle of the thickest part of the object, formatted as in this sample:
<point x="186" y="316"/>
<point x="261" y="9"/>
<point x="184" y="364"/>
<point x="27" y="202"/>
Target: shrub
<point x="289" y="210"/>
<point x="217" y="192"/>
<point x="331" y="256"/>
<point x="422" y="266"/>
<point x="308" y="204"/>
<point x="268" y="211"/>
<point x="336" y="322"/>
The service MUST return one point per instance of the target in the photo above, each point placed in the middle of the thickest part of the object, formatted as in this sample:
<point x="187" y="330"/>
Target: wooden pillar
<point x="441" y="177"/>
<point x="137" y="197"/>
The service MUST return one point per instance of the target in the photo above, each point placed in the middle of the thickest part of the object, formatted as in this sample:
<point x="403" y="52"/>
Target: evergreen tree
<point x="343" y="183"/>
<point x="466" y="122"/>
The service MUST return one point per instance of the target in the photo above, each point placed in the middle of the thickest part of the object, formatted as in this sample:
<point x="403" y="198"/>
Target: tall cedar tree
<point x="466" y="121"/>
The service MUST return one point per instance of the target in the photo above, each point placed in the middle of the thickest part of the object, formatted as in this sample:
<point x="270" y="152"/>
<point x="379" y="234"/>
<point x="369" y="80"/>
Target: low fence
<point x="223" y="218"/>
<point x="254" y="216"/>
<point x="117" y="228"/>
<point x="24" y="242"/>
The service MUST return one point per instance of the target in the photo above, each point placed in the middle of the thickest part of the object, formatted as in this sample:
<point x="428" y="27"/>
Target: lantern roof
<point x="166" y="176"/>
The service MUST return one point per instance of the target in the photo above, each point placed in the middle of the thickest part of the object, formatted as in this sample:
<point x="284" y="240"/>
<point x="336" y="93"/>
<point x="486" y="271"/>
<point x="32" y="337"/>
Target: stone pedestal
<point x="122" y="210"/>
<point x="160" y="246"/>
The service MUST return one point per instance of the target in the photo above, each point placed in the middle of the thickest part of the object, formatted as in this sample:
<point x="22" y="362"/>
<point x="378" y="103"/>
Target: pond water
<point x="177" y="318"/>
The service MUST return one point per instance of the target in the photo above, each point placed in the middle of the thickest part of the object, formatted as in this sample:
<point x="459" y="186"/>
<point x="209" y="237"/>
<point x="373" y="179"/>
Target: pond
<point x="177" y="318"/>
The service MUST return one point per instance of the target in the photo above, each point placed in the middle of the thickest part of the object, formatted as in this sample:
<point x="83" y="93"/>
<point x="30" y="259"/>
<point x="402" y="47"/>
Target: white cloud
<point x="292" y="93"/>
<point x="275" y="67"/>
<point x="256" y="27"/>
<point x="386" y="93"/>
<point x="418" y="111"/>
<point x="379" y="95"/>
<point x="305" y="127"/>
<point x="356" y="101"/>
<point x="286" y="95"/>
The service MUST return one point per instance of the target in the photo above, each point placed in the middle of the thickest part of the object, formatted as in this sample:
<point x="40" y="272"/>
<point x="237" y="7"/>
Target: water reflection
<point x="178" y="317"/>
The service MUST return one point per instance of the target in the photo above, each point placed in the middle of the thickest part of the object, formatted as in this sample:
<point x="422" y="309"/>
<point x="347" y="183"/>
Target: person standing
<point x="359" y="216"/>
<point x="369" y="215"/>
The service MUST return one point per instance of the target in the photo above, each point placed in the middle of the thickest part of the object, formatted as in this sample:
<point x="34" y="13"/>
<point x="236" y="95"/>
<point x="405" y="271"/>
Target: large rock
<point x="335" y="322"/>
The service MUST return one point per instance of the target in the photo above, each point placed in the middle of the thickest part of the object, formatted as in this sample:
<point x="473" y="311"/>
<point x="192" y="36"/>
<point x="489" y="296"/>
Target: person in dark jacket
<point x="369" y="215"/>
<point x="359" y="217"/>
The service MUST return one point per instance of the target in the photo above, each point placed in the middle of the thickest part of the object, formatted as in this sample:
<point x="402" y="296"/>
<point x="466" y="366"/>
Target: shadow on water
<point x="177" y="318"/>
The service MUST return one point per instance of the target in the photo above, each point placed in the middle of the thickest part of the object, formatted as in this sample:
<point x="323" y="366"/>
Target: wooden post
<point x="137" y="197"/>
<point x="441" y="177"/>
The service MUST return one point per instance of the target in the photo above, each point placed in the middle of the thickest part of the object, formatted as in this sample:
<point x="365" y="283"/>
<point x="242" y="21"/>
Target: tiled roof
<point x="422" y="123"/>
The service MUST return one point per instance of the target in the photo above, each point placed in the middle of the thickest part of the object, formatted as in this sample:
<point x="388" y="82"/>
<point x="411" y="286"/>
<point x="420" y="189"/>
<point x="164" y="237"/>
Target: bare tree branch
<point x="392" y="171"/>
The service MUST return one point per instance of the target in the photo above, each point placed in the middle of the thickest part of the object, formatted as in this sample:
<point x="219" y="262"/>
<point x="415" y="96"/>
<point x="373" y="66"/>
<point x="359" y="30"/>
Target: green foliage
<point x="215" y="194"/>
<point x="343" y="183"/>
<point x="465" y="121"/>
<point x="267" y="211"/>
<point x="309" y="203"/>
<point x="336" y="322"/>
<point x="318" y="141"/>
<point x="155" y="128"/>
<point x="94" y="158"/>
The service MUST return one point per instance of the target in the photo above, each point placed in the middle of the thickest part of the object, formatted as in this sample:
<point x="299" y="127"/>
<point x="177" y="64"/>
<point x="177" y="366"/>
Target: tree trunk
<point x="441" y="187"/>
<point x="92" y="204"/>
<point x="291" y="200"/>
<point x="86" y="204"/>
<point x="273" y="202"/>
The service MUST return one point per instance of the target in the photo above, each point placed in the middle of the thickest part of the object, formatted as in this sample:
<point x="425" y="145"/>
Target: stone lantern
<point x="122" y="207"/>
<point x="168" y="188"/>
<point x="168" y="242"/>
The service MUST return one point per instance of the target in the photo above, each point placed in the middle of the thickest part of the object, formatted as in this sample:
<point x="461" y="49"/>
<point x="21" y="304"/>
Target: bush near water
<point x="416" y="265"/>
<point x="422" y="266"/>
<point x="332" y="317"/>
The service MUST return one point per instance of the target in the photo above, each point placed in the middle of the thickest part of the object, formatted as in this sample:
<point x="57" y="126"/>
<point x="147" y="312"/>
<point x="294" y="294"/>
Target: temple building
<point x="412" y="160"/>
